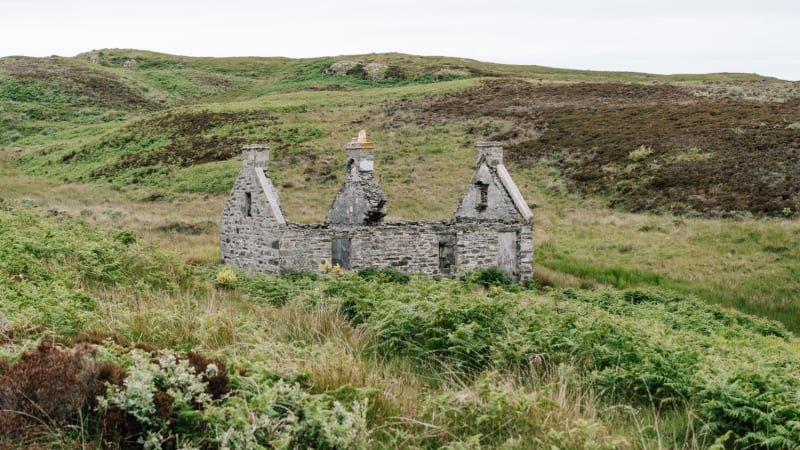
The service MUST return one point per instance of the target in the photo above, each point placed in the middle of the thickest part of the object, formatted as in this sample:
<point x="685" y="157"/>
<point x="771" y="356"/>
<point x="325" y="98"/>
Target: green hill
<point x="660" y="203"/>
<point x="710" y="145"/>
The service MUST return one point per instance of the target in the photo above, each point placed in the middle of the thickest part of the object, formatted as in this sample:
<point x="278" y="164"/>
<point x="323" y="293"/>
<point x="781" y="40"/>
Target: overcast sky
<point x="657" y="36"/>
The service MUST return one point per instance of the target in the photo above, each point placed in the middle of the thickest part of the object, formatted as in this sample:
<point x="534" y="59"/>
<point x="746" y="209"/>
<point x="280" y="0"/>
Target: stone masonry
<point x="492" y="226"/>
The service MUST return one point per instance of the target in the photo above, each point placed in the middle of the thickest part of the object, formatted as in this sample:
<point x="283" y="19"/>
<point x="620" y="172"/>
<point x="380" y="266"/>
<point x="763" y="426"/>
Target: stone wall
<point x="491" y="227"/>
<point x="251" y="221"/>
<point x="413" y="247"/>
<point x="479" y="246"/>
<point x="409" y="247"/>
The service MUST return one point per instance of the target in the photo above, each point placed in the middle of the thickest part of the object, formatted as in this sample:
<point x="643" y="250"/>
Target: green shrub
<point x="384" y="275"/>
<point x="488" y="277"/>
<point x="12" y="136"/>
<point x="226" y="278"/>
<point x="126" y="237"/>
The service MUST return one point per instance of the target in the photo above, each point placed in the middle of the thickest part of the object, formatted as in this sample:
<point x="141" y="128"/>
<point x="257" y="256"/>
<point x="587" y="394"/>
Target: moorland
<point x="662" y="314"/>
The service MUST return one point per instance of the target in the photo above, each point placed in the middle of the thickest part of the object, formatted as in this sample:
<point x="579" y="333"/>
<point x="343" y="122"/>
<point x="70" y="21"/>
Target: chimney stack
<point x="255" y="156"/>
<point x="360" y="201"/>
<point x="360" y="155"/>
<point x="492" y="152"/>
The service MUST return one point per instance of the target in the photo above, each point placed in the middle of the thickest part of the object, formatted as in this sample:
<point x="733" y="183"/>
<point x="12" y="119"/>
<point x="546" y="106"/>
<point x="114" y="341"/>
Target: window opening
<point x="483" y="199"/>
<point x="248" y="204"/>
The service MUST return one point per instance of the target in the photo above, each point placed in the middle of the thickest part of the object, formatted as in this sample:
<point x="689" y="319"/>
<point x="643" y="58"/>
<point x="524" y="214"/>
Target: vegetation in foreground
<point x="109" y="341"/>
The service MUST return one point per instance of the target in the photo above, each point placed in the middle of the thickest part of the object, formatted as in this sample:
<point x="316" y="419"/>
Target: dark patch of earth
<point x="711" y="156"/>
<point x="188" y="144"/>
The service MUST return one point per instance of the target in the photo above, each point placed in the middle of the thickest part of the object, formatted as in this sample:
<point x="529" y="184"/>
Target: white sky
<point x="675" y="36"/>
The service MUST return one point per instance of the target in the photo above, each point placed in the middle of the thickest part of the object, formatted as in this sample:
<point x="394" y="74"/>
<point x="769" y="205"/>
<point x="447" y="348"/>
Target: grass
<point x="744" y="264"/>
<point x="439" y="362"/>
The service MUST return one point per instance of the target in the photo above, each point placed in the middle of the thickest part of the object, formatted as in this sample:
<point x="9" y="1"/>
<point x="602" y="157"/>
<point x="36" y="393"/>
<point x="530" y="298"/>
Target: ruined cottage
<point x="492" y="226"/>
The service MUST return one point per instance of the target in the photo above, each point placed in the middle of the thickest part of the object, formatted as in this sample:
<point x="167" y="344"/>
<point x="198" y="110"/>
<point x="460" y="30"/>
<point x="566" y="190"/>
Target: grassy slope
<point x="182" y="134"/>
<point x="55" y="108"/>
<point x="438" y="362"/>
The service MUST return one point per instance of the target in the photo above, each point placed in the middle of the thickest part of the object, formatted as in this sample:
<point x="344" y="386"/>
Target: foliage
<point x="634" y="346"/>
<point x="643" y="348"/>
<point x="493" y="412"/>
<point x="226" y="278"/>
<point x="160" y="400"/>
<point x="275" y="291"/>
<point x="384" y="274"/>
<point x="641" y="153"/>
<point x="263" y="414"/>
<point x="47" y="386"/>
<point x="164" y="400"/>
<point x="49" y="269"/>
<point x="488" y="277"/>
<point x="11" y="136"/>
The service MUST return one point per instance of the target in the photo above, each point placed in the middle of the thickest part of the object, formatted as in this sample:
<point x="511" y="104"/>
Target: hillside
<point x="660" y="202"/>
<point x="709" y="145"/>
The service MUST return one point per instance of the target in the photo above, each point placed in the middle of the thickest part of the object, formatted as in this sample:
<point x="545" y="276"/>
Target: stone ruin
<point x="492" y="226"/>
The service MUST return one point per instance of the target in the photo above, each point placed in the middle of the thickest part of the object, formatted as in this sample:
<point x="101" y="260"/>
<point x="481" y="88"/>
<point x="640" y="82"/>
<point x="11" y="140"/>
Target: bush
<point x="12" y="136"/>
<point x="226" y="279"/>
<point x="384" y="275"/>
<point x="48" y="386"/>
<point x="488" y="277"/>
<point x="126" y="237"/>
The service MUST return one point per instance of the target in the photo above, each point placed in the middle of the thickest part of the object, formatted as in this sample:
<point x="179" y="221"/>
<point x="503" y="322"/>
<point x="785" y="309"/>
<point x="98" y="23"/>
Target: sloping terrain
<point x="710" y="145"/>
<point x="696" y="153"/>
